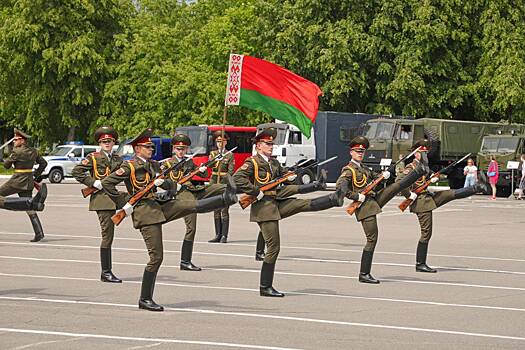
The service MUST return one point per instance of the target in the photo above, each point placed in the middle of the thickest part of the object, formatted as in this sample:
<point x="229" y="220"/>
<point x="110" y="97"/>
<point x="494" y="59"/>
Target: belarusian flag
<point x="267" y="87"/>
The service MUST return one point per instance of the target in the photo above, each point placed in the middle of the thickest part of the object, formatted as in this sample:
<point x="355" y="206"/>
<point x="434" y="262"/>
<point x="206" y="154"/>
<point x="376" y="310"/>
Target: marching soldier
<point x="425" y="202"/>
<point x="90" y="172"/>
<point x="149" y="213"/>
<point x="189" y="191"/>
<point x="24" y="203"/>
<point x="23" y="180"/>
<point x="269" y="208"/>
<point x="219" y="170"/>
<point x="356" y="177"/>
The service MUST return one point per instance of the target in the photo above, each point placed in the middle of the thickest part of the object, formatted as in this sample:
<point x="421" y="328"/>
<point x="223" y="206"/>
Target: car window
<point x="77" y="152"/>
<point x="60" y="151"/>
<point x="88" y="150"/>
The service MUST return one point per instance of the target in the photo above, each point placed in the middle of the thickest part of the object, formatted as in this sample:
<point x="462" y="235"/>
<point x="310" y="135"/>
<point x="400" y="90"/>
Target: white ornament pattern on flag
<point x="233" y="87"/>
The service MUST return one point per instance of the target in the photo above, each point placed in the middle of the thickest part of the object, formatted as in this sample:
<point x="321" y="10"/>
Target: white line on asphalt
<point x="283" y="258"/>
<point x="282" y="247"/>
<point x="139" y="339"/>
<point x="288" y="318"/>
<point x="32" y="345"/>
<point x="322" y="295"/>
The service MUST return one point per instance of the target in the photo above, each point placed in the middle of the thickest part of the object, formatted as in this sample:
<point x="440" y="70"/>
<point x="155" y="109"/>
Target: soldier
<point x="24" y="203"/>
<point x="149" y="214"/>
<point x="356" y="177"/>
<point x="189" y="191"/>
<point x="425" y="202"/>
<point x="91" y="171"/>
<point x="23" y="180"/>
<point x="269" y="208"/>
<point x="219" y="170"/>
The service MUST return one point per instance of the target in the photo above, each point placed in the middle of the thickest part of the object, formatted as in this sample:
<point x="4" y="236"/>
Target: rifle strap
<point x="96" y="174"/>
<point x="263" y="181"/>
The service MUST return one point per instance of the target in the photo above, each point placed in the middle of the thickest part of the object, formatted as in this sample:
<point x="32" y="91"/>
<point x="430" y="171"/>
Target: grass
<point x="4" y="171"/>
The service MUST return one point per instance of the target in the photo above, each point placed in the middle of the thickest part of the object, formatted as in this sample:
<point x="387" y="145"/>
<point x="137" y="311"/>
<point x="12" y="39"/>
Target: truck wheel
<point x="56" y="176"/>
<point x="503" y="191"/>
<point x="306" y="177"/>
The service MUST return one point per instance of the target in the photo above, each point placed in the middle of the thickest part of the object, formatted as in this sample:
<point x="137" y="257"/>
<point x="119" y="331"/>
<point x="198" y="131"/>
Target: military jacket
<point x="97" y="166"/>
<point x="136" y="174"/>
<point x="221" y="168"/>
<point x="22" y="159"/>
<point x="176" y="175"/>
<point x="358" y="177"/>
<point x="424" y="201"/>
<point x="255" y="173"/>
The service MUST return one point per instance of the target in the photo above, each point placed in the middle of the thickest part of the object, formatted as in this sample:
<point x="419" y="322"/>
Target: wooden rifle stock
<point x="245" y="200"/>
<point x="121" y="214"/>
<point x="355" y="204"/>
<point x="407" y="201"/>
<point x="188" y="177"/>
<point x="88" y="191"/>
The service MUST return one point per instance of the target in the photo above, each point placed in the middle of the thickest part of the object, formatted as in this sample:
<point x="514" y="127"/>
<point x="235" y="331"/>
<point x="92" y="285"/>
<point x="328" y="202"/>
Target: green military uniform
<point x="272" y="207"/>
<point x="24" y="203"/>
<point x="149" y="213"/>
<point x="357" y="177"/>
<point x="219" y="170"/>
<point x="94" y="168"/>
<point x="23" y="158"/>
<point x="425" y="203"/>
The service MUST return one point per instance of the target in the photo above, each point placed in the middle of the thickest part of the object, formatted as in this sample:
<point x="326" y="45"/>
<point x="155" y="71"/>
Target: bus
<point x="202" y="144"/>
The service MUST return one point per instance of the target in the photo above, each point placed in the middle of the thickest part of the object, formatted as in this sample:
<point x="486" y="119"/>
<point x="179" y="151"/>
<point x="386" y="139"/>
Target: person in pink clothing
<point x="493" y="174"/>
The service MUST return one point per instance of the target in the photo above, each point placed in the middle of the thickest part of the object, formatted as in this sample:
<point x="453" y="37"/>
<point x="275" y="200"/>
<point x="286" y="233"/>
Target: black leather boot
<point x="218" y="234"/>
<point x="37" y="227"/>
<point x="259" y="250"/>
<point x="146" y="294"/>
<point x="185" y="257"/>
<point x="421" y="258"/>
<point x="225" y="226"/>
<point x="366" y="266"/>
<point x="335" y="199"/>
<point x="266" y="289"/>
<point x="226" y="199"/>
<point x="465" y="192"/>
<point x="27" y="203"/>
<point x="105" y="262"/>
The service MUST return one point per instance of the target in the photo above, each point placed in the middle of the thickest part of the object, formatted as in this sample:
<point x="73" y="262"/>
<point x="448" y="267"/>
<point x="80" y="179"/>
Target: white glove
<point x="434" y="179"/>
<point x="260" y="195"/>
<point x="292" y="178"/>
<point x="128" y="208"/>
<point x="362" y="197"/>
<point x="413" y="196"/>
<point x="179" y="186"/>
<point x="97" y="184"/>
<point x="202" y="168"/>
<point x="386" y="174"/>
<point x="158" y="182"/>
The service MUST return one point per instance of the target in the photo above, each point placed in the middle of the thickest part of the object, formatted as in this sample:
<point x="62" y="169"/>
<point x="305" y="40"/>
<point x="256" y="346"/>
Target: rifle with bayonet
<point x="190" y="175"/>
<point x="406" y="203"/>
<point x="355" y="204"/>
<point x="245" y="200"/>
<point x="121" y="214"/>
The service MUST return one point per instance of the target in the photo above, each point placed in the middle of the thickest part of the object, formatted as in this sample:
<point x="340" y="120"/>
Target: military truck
<point x="506" y="147"/>
<point x="449" y="139"/>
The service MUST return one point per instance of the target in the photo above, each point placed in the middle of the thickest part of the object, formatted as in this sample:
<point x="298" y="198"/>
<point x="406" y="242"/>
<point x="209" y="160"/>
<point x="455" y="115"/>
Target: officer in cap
<point x="219" y="170"/>
<point x="356" y="176"/>
<point x="189" y="191"/>
<point x="23" y="158"/>
<point x="149" y="214"/>
<point x="425" y="202"/>
<point x="90" y="172"/>
<point x="270" y="206"/>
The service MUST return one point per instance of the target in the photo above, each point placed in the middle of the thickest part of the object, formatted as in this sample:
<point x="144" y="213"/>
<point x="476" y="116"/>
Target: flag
<point x="264" y="86"/>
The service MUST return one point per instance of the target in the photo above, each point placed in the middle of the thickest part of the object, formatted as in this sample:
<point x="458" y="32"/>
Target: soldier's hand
<point x="38" y="179"/>
<point x="260" y="195"/>
<point x="413" y="196"/>
<point x="202" y="168"/>
<point x="128" y="209"/>
<point x="434" y="179"/>
<point x="292" y="178"/>
<point x="158" y="182"/>
<point x="362" y="197"/>
<point x="97" y="184"/>
<point x="386" y="174"/>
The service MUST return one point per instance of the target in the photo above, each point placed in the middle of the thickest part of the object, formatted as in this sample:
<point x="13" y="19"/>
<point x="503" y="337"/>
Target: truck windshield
<point x="198" y="137"/>
<point x="60" y="151"/>
<point x="499" y="145"/>
<point x="280" y="137"/>
<point x="379" y="130"/>
<point x="507" y="145"/>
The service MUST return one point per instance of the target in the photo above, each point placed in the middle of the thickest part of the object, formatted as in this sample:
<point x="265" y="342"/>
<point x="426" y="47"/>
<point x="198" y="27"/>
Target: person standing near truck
<point x="493" y="174"/>
<point x="471" y="173"/>
<point x="521" y="187"/>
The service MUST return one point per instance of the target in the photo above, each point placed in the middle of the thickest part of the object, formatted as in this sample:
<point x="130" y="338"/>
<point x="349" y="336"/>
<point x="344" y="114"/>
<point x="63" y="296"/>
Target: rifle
<point x="7" y="143"/>
<point x="246" y="200"/>
<point x="355" y="204"/>
<point x="207" y="164"/>
<point x="407" y="201"/>
<point x="121" y="214"/>
<point x="88" y="191"/>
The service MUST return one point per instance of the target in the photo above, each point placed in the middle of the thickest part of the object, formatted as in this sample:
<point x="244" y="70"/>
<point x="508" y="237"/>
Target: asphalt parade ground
<point x="51" y="296"/>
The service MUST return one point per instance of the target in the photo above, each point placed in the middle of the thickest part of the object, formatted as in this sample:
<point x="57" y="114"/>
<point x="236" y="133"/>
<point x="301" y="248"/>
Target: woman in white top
<point x="471" y="173"/>
<point x="522" y="180"/>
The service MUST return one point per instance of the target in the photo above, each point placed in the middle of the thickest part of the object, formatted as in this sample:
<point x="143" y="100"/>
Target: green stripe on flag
<point x="277" y="109"/>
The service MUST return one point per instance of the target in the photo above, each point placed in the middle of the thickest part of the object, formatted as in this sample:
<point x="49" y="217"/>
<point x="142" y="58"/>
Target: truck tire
<point x="306" y="177"/>
<point x="503" y="191"/>
<point x="56" y="176"/>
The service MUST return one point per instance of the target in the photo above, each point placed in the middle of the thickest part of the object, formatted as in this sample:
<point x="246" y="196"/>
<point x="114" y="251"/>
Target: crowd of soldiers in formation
<point x="160" y="192"/>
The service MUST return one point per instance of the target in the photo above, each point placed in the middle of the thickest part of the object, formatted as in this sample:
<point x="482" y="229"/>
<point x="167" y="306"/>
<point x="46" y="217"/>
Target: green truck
<point x="506" y="147"/>
<point x="449" y="139"/>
